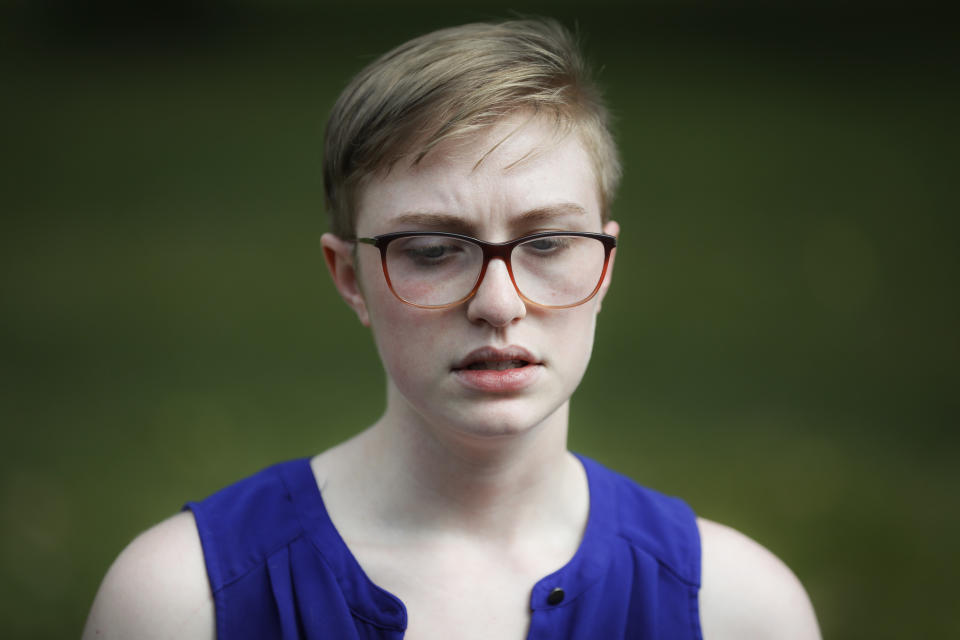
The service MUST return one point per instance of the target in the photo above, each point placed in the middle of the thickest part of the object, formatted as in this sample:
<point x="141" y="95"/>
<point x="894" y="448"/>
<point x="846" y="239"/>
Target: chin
<point x="498" y="421"/>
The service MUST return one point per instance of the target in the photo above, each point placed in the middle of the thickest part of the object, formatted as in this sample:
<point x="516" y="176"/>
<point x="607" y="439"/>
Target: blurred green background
<point x="780" y="346"/>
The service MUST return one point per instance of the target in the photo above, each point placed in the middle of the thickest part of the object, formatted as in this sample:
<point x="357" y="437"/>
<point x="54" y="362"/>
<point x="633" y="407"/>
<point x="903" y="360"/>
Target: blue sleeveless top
<point x="279" y="569"/>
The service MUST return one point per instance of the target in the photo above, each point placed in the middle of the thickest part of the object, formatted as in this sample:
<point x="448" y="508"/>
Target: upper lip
<point x="496" y="354"/>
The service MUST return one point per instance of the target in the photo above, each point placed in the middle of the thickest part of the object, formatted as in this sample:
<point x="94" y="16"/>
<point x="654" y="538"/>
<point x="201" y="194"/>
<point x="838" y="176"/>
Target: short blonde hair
<point x="452" y="83"/>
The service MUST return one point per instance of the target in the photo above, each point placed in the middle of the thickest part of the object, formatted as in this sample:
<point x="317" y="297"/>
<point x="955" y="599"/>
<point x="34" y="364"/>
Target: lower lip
<point x="506" y="381"/>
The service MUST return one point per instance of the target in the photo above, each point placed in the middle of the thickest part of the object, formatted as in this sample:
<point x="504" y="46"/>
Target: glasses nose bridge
<point x="495" y="250"/>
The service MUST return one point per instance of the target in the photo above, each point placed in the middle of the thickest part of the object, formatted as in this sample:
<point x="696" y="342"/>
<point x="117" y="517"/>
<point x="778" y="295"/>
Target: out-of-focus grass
<point x="779" y="347"/>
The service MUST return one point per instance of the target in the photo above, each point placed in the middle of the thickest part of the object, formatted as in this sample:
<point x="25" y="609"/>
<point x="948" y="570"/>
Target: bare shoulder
<point x="748" y="593"/>
<point x="156" y="588"/>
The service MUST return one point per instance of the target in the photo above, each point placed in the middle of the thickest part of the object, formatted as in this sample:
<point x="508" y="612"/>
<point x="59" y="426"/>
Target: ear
<point x="612" y="229"/>
<point x="338" y="254"/>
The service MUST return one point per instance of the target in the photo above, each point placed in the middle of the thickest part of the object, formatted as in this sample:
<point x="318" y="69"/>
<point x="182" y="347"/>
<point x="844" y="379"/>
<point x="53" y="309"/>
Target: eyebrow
<point x="457" y="224"/>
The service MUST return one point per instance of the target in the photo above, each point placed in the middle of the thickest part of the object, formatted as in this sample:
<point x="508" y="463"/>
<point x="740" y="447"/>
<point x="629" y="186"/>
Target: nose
<point x="496" y="301"/>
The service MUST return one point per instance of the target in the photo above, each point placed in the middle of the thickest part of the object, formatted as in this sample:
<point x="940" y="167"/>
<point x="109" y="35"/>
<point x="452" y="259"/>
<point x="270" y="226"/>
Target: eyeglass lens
<point x="550" y="271"/>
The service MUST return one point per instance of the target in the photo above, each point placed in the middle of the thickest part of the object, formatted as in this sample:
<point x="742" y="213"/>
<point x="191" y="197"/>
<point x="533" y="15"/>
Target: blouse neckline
<point x="383" y="609"/>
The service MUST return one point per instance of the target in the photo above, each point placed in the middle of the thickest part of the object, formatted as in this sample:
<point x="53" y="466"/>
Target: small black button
<point x="556" y="596"/>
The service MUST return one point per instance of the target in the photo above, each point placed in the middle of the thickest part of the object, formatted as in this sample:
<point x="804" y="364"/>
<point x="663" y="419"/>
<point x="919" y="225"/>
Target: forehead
<point x="516" y="172"/>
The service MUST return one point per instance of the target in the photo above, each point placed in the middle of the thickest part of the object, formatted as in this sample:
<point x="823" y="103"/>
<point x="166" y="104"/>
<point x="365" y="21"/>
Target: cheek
<point x="409" y="340"/>
<point x="404" y="337"/>
<point x="572" y="338"/>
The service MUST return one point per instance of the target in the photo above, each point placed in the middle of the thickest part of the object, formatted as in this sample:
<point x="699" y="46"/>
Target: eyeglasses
<point x="437" y="270"/>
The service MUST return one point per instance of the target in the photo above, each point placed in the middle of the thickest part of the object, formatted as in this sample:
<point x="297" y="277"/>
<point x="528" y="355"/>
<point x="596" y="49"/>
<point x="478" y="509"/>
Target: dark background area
<point x="780" y="346"/>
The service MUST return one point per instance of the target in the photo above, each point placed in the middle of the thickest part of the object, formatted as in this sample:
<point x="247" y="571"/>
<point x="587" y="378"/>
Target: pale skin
<point x="458" y="501"/>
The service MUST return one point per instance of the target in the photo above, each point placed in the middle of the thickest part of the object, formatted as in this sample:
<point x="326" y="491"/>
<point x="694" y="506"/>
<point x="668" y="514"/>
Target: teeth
<point x="498" y="365"/>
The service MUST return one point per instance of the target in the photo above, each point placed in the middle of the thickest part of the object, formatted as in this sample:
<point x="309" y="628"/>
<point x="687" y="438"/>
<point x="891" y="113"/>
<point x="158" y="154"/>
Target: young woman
<point x="469" y="175"/>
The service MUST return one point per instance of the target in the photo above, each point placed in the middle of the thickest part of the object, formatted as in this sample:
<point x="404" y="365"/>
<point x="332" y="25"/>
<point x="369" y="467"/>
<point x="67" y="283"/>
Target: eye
<point x="550" y="244"/>
<point x="427" y="251"/>
<point x="431" y="252"/>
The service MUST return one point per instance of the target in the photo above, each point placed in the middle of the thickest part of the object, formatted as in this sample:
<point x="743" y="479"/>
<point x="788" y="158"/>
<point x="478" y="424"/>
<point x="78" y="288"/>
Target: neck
<point x="421" y="476"/>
